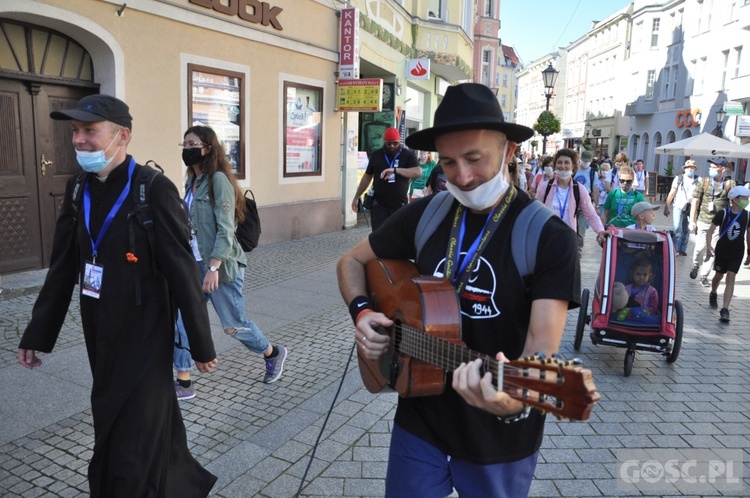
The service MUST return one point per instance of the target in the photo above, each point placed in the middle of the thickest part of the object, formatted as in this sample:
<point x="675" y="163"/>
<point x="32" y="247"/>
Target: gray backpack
<point x="524" y="238"/>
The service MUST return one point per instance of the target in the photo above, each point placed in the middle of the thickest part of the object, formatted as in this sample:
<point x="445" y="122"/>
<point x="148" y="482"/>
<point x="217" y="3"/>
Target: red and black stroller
<point x="627" y="313"/>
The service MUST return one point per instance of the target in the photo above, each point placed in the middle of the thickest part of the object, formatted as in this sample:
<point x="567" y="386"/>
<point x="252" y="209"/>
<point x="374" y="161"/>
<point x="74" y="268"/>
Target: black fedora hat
<point x="468" y="106"/>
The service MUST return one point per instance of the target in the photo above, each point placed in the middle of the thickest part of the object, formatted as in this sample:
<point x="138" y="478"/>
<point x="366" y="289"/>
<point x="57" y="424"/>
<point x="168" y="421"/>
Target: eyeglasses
<point x="191" y="145"/>
<point x="622" y="180"/>
<point x="393" y="144"/>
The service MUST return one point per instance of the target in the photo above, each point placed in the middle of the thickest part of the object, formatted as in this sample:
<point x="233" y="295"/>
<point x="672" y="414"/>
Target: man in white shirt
<point x="640" y="177"/>
<point x="682" y="195"/>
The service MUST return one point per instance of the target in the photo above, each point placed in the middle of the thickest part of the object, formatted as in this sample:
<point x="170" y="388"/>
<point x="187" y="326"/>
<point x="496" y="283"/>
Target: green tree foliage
<point x="547" y="124"/>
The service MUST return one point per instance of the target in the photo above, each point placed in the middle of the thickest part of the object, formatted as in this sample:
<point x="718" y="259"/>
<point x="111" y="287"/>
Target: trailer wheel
<point x="582" y="315"/>
<point x="629" y="358"/>
<point x="677" y="334"/>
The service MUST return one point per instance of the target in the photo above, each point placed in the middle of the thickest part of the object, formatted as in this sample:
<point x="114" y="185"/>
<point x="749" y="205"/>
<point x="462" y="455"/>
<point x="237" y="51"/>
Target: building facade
<point x="508" y="65"/>
<point x="263" y="74"/>
<point x="687" y="64"/>
<point x="650" y="74"/>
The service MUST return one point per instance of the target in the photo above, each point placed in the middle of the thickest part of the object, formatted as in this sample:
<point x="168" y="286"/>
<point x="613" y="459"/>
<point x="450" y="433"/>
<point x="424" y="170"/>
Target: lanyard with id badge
<point x="93" y="273"/>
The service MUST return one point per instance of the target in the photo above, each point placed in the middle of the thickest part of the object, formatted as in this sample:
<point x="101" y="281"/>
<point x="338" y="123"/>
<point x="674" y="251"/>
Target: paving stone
<point x="258" y="438"/>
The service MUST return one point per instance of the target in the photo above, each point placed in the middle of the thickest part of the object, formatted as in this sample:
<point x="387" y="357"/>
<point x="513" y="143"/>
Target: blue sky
<point x="538" y="27"/>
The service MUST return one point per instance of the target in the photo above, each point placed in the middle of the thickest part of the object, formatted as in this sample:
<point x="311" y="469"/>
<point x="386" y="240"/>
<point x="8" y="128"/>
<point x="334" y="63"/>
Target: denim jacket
<point x="215" y="224"/>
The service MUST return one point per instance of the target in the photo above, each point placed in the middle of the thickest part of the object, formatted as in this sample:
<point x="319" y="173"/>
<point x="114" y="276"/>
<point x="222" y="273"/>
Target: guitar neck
<point x="442" y="353"/>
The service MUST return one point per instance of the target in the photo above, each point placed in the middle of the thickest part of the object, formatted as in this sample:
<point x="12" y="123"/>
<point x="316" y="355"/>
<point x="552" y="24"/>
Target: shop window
<point x="215" y="97"/>
<point x="303" y="133"/>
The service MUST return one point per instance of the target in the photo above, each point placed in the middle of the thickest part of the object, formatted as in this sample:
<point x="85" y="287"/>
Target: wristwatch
<point x="212" y="268"/>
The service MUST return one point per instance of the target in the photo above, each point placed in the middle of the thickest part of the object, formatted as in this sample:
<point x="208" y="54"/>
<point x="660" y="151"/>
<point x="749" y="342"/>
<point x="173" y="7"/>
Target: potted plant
<point x="669" y="170"/>
<point x="547" y="124"/>
<point x="664" y="183"/>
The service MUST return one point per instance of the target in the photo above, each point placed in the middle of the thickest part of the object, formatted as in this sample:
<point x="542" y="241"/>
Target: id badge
<point x="92" y="280"/>
<point x="711" y="207"/>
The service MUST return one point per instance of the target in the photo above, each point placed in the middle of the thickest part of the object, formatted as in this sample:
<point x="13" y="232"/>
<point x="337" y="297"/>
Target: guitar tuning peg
<point x="575" y="362"/>
<point x="540" y="355"/>
<point x="558" y="356"/>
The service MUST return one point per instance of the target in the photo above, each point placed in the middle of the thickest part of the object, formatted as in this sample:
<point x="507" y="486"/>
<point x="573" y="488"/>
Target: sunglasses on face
<point x="622" y="180"/>
<point x="392" y="144"/>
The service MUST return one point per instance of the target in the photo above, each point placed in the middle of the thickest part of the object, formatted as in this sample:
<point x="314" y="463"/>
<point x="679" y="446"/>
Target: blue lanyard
<point x="565" y="204"/>
<point x="470" y="260"/>
<point x="619" y="202"/>
<point x="390" y="163"/>
<point x="112" y="212"/>
<point x="724" y="232"/>
<point x="471" y="251"/>
<point x="189" y="196"/>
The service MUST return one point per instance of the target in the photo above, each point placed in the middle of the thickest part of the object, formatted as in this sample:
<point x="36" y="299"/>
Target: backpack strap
<point x="546" y="192"/>
<point x="524" y="238"/>
<point x="142" y="214"/>
<point x="78" y="195"/>
<point x="435" y="212"/>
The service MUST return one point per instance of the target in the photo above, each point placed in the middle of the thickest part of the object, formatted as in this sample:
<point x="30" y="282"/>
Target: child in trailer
<point x="641" y="298"/>
<point x="730" y="247"/>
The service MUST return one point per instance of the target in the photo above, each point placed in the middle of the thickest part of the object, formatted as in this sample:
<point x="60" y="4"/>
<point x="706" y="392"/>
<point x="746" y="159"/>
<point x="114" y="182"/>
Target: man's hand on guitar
<point x="370" y="342"/>
<point x="479" y="391"/>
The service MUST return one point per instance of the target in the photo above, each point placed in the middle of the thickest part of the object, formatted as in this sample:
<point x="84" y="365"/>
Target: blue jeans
<point x="416" y="468"/>
<point x="229" y="304"/>
<point x="681" y="233"/>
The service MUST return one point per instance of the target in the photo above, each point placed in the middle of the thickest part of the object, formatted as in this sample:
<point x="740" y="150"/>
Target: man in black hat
<point x="128" y="299"/>
<point x="471" y="437"/>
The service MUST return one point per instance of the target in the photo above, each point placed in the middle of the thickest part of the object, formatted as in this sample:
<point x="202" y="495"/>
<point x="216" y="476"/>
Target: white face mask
<point x="564" y="175"/>
<point x="548" y="170"/>
<point x="484" y="196"/>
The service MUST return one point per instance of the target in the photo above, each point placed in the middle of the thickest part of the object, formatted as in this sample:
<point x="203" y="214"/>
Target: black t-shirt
<point x="391" y="194"/>
<point x="495" y="317"/>
<point x="732" y="244"/>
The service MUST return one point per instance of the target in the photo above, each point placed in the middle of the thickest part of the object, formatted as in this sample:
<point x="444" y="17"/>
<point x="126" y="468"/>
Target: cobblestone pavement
<point x="257" y="438"/>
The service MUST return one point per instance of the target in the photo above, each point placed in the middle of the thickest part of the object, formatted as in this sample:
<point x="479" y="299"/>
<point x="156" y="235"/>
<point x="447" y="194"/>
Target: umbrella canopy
<point x="704" y="145"/>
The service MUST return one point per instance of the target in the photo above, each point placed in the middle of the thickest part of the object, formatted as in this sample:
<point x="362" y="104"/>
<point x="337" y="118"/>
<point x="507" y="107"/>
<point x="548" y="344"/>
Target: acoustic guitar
<point x="425" y="343"/>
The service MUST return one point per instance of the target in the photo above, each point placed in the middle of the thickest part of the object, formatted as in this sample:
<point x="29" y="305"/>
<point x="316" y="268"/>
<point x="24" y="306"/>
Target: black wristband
<point x="358" y="304"/>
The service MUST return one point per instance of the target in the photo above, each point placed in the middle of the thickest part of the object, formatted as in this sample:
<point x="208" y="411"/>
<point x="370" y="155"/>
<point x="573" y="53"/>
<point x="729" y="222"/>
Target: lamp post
<point x="549" y="76"/>
<point x="720" y="115"/>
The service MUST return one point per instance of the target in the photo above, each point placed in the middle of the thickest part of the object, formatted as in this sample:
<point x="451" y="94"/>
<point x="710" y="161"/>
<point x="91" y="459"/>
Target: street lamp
<point x="549" y="75"/>
<point x="720" y="115"/>
<point x="588" y="129"/>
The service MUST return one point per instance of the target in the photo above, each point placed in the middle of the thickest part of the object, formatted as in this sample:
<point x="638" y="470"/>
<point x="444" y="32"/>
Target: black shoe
<point x="682" y="253"/>
<point x="713" y="300"/>
<point x="724" y="315"/>
<point x="704" y="281"/>
<point x="694" y="272"/>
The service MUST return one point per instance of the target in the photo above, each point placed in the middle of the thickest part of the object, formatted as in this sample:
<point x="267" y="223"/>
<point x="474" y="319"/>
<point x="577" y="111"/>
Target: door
<point x="37" y="160"/>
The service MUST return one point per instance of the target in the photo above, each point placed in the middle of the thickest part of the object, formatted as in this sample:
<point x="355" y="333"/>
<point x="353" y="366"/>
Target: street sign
<point x="734" y="108"/>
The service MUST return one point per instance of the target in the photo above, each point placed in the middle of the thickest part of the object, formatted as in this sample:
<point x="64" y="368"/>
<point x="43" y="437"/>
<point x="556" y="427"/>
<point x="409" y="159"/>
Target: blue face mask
<point x="713" y="173"/>
<point x="94" y="162"/>
<point x="689" y="173"/>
